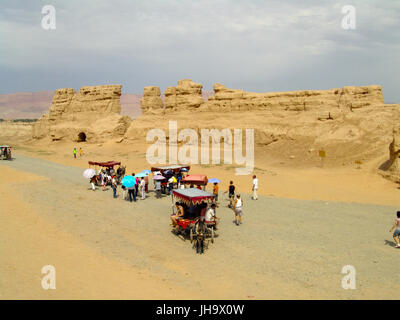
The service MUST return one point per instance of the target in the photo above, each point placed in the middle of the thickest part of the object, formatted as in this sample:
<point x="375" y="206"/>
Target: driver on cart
<point x="210" y="216"/>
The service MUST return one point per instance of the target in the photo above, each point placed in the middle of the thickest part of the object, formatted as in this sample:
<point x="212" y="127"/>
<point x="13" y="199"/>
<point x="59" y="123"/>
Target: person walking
<point x="231" y="194"/>
<point x="92" y="182"/>
<point x="103" y="180"/>
<point x="255" y="187"/>
<point x="396" y="228"/>
<point x="215" y="192"/>
<point x="158" y="189"/>
<point x="114" y="186"/>
<point x="125" y="193"/>
<point x="142" y="188"/>
<point x="80" y="152"/>
<point x="238" y="210"/>
<point x="179" y="179"/>
<point x="132" y="194"/>
<point x="170" y="185"/>
<point x="75" y="153"/>
<point x="146" y="180"/>
<point x="136" y="189"/>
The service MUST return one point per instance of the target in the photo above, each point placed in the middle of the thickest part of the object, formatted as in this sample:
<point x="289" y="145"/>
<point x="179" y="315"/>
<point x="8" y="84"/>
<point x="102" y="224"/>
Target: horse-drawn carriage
<point x="108" y="168"/>
<point x="5" y="153"/>
<point x="192" y="224"/>
<point x="168" y="172"/>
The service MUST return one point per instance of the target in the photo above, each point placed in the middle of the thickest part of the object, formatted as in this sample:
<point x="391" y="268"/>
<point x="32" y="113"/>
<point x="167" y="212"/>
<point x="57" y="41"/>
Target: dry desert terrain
<point x="293" y="244"/>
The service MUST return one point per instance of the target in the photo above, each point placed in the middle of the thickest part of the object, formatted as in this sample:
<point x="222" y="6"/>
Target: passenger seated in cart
<point x="178" y="215"/>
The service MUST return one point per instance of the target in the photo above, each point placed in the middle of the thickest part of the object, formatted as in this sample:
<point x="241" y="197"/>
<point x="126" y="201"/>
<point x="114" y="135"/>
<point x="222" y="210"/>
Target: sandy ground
<point x="109" y="248"/>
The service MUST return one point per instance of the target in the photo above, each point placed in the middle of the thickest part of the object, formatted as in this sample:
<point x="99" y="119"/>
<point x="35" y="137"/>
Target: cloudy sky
<point x="256" y="45"/>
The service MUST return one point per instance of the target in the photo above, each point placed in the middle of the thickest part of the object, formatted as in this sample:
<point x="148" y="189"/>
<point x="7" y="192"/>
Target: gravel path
<point x="284" y="249"/>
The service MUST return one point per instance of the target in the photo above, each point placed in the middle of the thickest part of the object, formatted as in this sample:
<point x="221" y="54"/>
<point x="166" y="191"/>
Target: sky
<point x="254" y="45"/>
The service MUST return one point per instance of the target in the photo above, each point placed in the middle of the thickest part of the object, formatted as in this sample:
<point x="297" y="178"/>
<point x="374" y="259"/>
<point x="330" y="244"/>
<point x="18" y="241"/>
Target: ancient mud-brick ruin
<point x="328" y="104"/>
<point x="92" y="114"/>
<point x="351" y="123"/>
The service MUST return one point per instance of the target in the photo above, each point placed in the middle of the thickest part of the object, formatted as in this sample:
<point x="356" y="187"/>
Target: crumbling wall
<point x="151" y="102"/>
<point x="326" y="104"/>
<point x="93" y="111"/>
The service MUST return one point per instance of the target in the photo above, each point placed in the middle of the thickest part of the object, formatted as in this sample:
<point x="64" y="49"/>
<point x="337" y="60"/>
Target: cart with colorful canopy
<point x="107" y="164"/>
<point x="192" y="224"/>
<point x="173" y="168"/>
<point x="168" y="172"/>
<point x="196" y="180"/>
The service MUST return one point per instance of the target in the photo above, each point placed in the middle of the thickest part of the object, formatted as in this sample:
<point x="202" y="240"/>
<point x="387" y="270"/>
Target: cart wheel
<point x="191" y="235"/>
<point x="212" y="235"/>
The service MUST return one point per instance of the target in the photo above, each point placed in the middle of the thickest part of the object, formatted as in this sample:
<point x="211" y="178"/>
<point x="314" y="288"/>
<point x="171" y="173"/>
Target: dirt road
<point x="109" y="248"/>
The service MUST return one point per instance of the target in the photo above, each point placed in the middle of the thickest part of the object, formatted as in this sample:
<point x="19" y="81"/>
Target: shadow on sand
<point x="390" y="243"/>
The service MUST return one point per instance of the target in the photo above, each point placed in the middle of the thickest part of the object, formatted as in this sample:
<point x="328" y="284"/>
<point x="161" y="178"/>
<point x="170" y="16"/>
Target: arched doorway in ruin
<point x="82" y="137"/>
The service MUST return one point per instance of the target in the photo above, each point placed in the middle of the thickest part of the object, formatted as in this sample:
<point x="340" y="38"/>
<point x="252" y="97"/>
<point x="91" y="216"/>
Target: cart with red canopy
<point x="196" y="180"/>
<point x="193" y="202"/>
<point x="107" y="164"/>
<point x="168" y="172"/>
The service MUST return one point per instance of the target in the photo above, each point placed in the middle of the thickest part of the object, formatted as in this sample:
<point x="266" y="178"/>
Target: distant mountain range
<point x="32" y="105"/>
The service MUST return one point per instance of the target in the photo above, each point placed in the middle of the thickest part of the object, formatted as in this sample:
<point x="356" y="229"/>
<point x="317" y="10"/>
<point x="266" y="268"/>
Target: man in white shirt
<point x="210" y="214"/>
<point x="142" y="188"/>
<point x="255" y="187"/>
